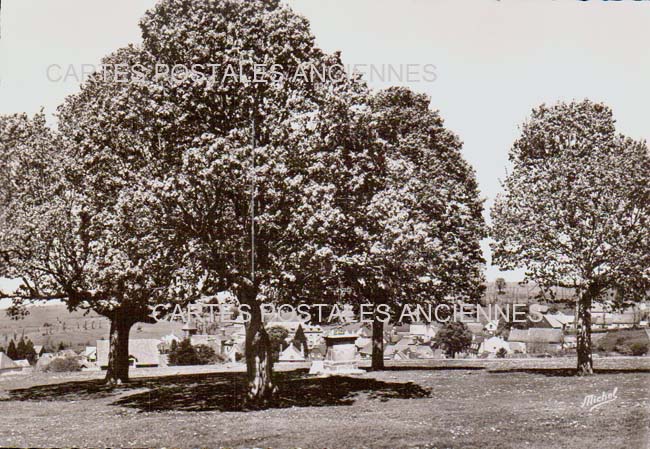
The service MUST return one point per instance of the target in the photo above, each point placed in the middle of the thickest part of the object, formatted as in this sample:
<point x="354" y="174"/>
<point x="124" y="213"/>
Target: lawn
<point x="434" y="407"/>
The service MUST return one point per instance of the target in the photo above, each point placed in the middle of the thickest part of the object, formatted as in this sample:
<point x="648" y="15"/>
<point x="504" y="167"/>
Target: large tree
<point x="76" y="221"/>
<point x="410" y="214"/>
<point x="429" y="238"/>
<point x="241" y="163"/>
<point x="113" y="137"/>
<point x="576" y="209"/>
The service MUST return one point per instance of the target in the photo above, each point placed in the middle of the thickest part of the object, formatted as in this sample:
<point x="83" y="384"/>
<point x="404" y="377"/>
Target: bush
<point x="277" y="337"/>
<point x="220" y="358"/>
<point x="63" y="365"/>
<point x="205" y="354"/>
<point x="621" y="337"/>
<point x="623" y="349"/>
<point x="185" y="354"/>
<point x="501" y="353"/>
<point x="639" y="349"/>
<point x="454" y="337"/>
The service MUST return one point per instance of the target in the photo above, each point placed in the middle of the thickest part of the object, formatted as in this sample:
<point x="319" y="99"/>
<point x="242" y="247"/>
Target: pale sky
<point x="495" y="60"/>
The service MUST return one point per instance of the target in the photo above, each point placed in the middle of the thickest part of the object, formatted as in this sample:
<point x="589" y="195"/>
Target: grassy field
<point x="50" y="324"/>
<point x="526" y="404"/>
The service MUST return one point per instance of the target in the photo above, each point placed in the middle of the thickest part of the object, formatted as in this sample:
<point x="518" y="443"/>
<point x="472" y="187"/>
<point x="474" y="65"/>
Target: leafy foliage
<point x="454" y="337"/>
<point x="185" y="354"/>
<point x="277" y="336"/>
<point x="639" y="349"/>
<point x="576" y="206"/>
<point x="63" y="365"/>
<point x="576" y="210"/>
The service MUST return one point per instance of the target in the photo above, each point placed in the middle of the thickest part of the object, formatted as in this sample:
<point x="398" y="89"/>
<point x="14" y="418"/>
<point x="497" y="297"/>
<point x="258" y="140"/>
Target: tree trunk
<point x="259" y="358"/>
<point x="118" y="352"/>
<point x="585" y="361"/>
<point x="377" y="344"/>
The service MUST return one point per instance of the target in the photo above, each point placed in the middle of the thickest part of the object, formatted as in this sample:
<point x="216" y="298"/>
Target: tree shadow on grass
<point x="225" y="392"/>
<point x="433" y="368"/>
<point x="565" y="372"/>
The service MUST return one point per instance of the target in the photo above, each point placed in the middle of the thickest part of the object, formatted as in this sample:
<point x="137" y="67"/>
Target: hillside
<point x="51" y="324"/>
<point x="514" y="293"/>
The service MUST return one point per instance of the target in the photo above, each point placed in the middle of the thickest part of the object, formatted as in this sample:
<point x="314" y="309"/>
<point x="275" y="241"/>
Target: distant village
<point x="297" y="340"/>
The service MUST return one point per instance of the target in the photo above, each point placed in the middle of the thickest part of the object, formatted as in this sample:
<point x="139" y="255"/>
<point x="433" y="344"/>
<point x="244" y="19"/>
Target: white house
<point x="537" y="339"/>
<point x="142" y="353"/>
<point x="233" y="351"/>
<point x="492" y="345"/>
<point x="168" y="339"/>
<point x="213" y="341"/>
<point x="314" y="335"/>
<point x="566" y="320"/>
<point x="23" y="363"/>
<point x="90" y="354"/>
<point x="426" y="331"/>
<point x="553" y="321"/>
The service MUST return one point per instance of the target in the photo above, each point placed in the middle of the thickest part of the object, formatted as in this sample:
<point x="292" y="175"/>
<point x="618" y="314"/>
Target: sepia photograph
<point x="325" y="224"/>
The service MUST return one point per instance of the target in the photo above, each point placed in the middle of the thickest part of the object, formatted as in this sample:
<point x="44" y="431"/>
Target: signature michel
<point x="593" y="401"/>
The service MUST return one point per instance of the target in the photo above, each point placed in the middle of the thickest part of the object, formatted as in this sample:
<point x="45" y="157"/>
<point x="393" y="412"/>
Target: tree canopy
<point x="454" y="337"/>
<point x="576" y="208"/>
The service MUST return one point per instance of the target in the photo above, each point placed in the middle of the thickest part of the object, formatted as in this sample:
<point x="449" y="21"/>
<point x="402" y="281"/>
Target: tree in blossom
<point x="575" y="212"/>
<point x="76" y="221"/>
<point x="428" y="238"/>
<point x="30" y="204"/>
<point x="404" y="216"/>
<point x="238" y="149"/>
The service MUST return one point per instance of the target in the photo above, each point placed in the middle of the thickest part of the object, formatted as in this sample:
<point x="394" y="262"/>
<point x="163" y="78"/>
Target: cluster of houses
<point x="227" y="341"/>
<point x="8" y="365"/>
<point x="554" y="333"/>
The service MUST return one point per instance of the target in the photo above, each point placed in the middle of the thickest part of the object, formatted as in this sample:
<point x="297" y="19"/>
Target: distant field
<point x="514" y="293"/>
<point x="54" y="323"/>
<point x="425" y="407"/>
